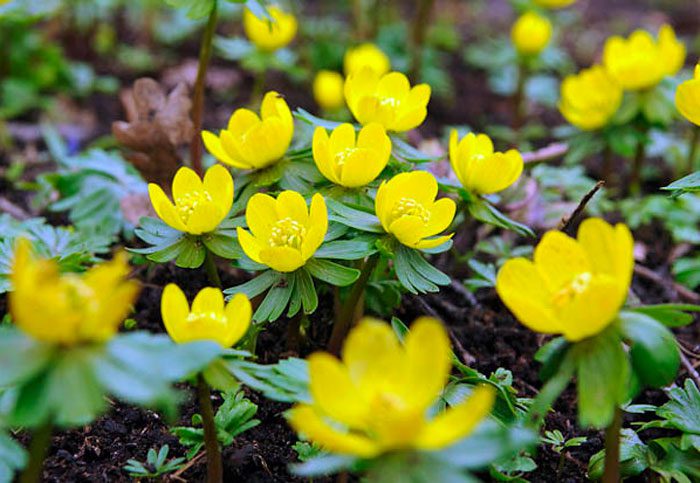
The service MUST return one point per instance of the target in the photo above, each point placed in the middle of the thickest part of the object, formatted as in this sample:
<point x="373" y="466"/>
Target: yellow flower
<point x="479" y="168"/>
<point x="209" y="318"/>
<point x="69" y="308"/>
<point x="199" y="205"/>
<point x="366" y="55"/>
<point x="406" y="207"/>
<point x="554" y="3"/>
<point x="640" y="62"/>
<point x="688" y="98"/>
<point x="387" y="99"/>
<point x="285" y="233"/>
<point x="349" y="162"/>
<point x="252" y="142"/>
<point x="574" y="287"/>
<point x="590" y="98"/>
<point x="270" y="35"/>
<point x="531" y="33"/>
<point x="377" y="399"/>
<point x="328" y="90"/>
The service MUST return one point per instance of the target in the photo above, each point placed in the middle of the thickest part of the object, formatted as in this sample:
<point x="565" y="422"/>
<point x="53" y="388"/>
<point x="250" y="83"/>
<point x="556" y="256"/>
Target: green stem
<point x="550" y="392"/>
<point x="420" y="25"/>
<point x="215" y="468"/>
<point x="692" y="150"/>
<point x="519" y="113"/>
<point x="256" y="93"/>
<point x="205" y="50"/>
<point x="212" y="272"/>
<point x="611" y="473"/>
<point x="636" y="176"/>
<point x="41" y="440"/>
<point x="343" y="323"/>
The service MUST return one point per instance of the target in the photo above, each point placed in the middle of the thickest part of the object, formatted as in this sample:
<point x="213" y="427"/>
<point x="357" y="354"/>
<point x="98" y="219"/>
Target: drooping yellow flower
<point x="328" y="90"/>
<point x="406" y="208"/>
<point x="349" y="162"/>
<point x="640" y="61"/>
<point x="252" y="142"/>
<point x="479" y="168"/>
<point x="574" y="287"/>
<point x="209" y="318"/>
<point x="531" y="33"/>
<point x="285" y="233"/>
<point x="590" y="98"/>
<point x="554" y="3"/>
<point x="377" y="398"/>
<point x="69" y="308"/>
<point x="688" y="98"/>
<point x="199" y="205"/>
<point x="387" y="99"/>
<point x="366" y="55"/>
<point x="270" y="35"/>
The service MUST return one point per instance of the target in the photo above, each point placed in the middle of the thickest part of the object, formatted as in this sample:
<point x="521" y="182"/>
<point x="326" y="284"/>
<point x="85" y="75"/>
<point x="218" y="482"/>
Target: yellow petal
<point x="361" y="167"/>
<point x="185" y="181"/>
<point x="383" y="203"/>
<point x="317" y="227"/>
<point x="409" y="230"/>
<point x="323" y="156"/>
<point x="409" y="120"/>
<point x="239" y="157"/>
<point x="282" y="259"/>
<point x="174" y="310"/>
<point x="610" y="249"/>
<point x="261" y="215"/>
<point x="291" y="204"/>
<point x="239" y="313"/>
<point x="590" y="312"/>
<point x="441" y="215"/>
<point x="164" y="207"/>
<point x="342" y="138"/>
<point x="372" y="355"/>
<point x="559" y="259"/>
<point x="214" y="146"/>
<point x="427" y="243"/>
<point x="522" y="289"/>
<point x="458" y="421"/>
<point x="208" y="300"/>
<point x="249" y="244"/>
<point x="241" y="121"/>
<point x="306" y="421"/>
<point x="205" y="218"/>
<point x="219" y="184"/>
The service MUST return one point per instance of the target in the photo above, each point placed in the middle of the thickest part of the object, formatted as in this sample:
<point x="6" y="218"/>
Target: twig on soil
<point x="690" y="368"/>
<point x="547" y="153"/>
<point x="463" y="354"/>
<point x="682" y="291"/>
<point x="460" y="289"/>
<point x="13" y="210"/>
<point x="566" y="221"/>
<point x="188" y="465"/>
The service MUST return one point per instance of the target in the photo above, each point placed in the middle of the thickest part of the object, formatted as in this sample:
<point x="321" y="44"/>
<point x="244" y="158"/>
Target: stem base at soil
<point x="215" y="468"/>
<point x="41" y="440"/>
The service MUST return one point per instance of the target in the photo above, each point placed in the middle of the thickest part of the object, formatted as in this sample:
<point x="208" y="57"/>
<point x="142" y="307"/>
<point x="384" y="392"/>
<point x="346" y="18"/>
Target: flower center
<point x="577" y="286"/>
<point x="206" y="318"/>
<point x="390" y="102"/>
<point x="287" y="233"/>
<point x="342" y="156"/>
<point x="187" y="203"/>
<point x="410" y="207"/>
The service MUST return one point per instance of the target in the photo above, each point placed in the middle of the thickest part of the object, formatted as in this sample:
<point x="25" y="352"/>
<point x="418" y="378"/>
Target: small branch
<point x="690" y="368"/>
<point x="682" y="291"/>
<point x="566" y="222"/>
<point x="188" y="465"/>
<point x="547" y="153"/>
<point x="13" y="210"/>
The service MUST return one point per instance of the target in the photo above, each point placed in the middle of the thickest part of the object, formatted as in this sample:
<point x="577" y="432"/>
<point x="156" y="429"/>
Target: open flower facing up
<point x="640" y="61"/>
<point x="406" y="208"/>
<point x="199" y="206"/>
<point x="378" y="397"/>
<point x="252" y="142"/>
<point x="284" y="233"/>
<point x="574" y="287"/>
<point x="270" y="35"/>
<point x="209" y="318"/>
<point x="479" y="168"/>
<point x="351" y="162"/>
<point x="328" y="90"/>
<point x="531" y="33"/>
<point x="554" y="3"/>
<point x="688" y="98"/>
<point x="366" y="55"/>
<point x="387" y="99"/>
<point x="69" y="308"/>
<point x="590" y="98"/>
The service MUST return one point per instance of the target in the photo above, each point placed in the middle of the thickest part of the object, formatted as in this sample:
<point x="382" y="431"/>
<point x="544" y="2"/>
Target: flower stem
<point x="198" y="95"/>
<point x="692" y="150"/>
<point x="611" y="473"/>
<point x="212" y="272"/>
<point x="215" y="469"/>
<point x="420" y="25"/>
<point x="550" y="392"/>
<point x="519" y="113"/>
<point x="345" y="318"/>
<point x="636" y="176"/>
<point x="41" y="440"/>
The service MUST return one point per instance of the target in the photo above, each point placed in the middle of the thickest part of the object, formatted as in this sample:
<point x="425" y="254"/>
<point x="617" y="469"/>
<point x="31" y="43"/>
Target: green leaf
<point x="257" y="285"/>
<point x="415" y="273"/>
<point x="196" y="9"/>
<point x="551" y="356"/>
<point x="654" y="353"/>
<point x="688" y="184"/>
<point x="347" y="249"/>
<point x="484" y="211"/>
<point x="353" y="218"/>
<point x="683" y="408"/>
<point x="404" y="151"/>
<point x="603" y="377"/>
<point x="309" y="118"/>
<point x="286" y="381"/>
<point x="332" y="273"/>
<point x="305" y="286"/>
<point x="222" y="245"/>
<point x="670" y="315"/>
<point x="13" y="457"/>
<point x="635" y="457"/>
<point x="21" y="357"/>
<point x="275" y="301"/>
<point x="322" y="465"/>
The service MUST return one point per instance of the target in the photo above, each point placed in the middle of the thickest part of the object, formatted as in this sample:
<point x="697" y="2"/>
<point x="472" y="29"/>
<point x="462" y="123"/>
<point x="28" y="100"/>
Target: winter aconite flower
<point x="69" y="308"/>
<point x="640" y="61"/>
<point x="366" y="55"/>
<point x="378" y="398"/>
<point x="267" y="34"/>
<point x="531" y="33"/>
<point x="328" y="90"/>
<point x="479" y="168"/>
<point x="554" y="3"/>
<point x="252" y="142"/>
<point x="387" y="99"/>
<point x="209" y="318"/>
<point x="284" y="233"/>
<point x="688" y="98"/>
<point x="590" y="98"/>
<point x="574" y="287"/>
<point x="406" y="208"/>
<point x="351" y="162"/>
<point x="199" y="206"/>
